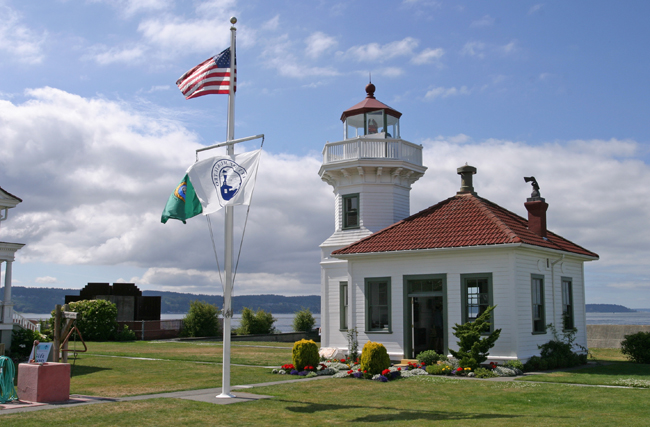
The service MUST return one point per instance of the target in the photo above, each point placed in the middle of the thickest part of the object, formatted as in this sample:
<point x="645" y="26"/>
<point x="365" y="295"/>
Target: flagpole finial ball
<point x="233" y="20"/>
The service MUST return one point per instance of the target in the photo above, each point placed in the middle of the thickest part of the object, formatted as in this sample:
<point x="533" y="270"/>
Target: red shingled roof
<point x="460" y="221"/>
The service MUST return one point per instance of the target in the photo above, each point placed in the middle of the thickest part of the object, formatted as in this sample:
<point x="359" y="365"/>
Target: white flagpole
<point x="227" y="303"/>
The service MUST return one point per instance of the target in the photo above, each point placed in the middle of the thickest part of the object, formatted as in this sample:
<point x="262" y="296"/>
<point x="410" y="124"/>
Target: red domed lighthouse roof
<point x="369" y="104"/>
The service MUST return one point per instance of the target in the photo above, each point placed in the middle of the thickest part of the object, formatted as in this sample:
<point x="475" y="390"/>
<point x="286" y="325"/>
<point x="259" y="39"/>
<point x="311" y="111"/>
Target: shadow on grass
<point x="386" y="413"/>
<point x="610" y="368"/>
<point x="79" y="370"/>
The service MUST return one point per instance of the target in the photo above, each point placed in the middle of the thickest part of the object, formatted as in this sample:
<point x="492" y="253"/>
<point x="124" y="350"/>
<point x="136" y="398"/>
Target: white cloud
<point x="46" y="280"/>
<point x="374" y="52"/>
<point x="272" y="24"/>
<point x="581" y="181"/>
<point x="105" y="170"/>
<point x="473" y="49"/>
<point x="535" y="8"/>
<point x="129" y="8"/>
<point x="480" y="49"/>
<point x="485" y="21"/>
<point x="18" y="40"/>
<point x="443" y="92"/>
<point x="278" y="54"/>
<point x="389" y="72"/>
<point x="318" y="43"/>
<point x="104" y="55"/>
<point x="427" y="56"/>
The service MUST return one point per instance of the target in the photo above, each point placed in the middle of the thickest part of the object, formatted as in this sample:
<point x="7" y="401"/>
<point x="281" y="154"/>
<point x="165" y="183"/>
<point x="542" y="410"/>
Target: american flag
<point x="212" y="76"/>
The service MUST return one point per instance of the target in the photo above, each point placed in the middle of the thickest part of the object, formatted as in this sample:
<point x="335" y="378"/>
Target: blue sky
<point x="94" y="134"/>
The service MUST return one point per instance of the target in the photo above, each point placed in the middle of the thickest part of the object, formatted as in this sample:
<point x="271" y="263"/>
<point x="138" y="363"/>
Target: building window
<point x="343" y="298"/>
<point x="351" y="211"/>
<point x="378" y="305"/>
<point x="476" y="296"/>
<point x="539" y="315"/>
<point x="567" y="304"/>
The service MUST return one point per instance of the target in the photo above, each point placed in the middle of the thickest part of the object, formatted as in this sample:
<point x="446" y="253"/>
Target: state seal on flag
<point x="227" y="177"/>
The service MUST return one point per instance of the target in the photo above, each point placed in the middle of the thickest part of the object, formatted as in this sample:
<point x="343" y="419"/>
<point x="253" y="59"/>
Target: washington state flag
<point x="183" y="202"/>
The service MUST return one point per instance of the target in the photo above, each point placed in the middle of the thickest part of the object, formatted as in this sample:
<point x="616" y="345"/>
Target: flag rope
<point x="214" y="248"/>
<point x="241" y="243"/>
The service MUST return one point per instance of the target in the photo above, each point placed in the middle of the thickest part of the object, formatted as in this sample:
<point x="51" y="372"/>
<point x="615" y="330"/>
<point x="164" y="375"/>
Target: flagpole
<point x="227" y="301"/>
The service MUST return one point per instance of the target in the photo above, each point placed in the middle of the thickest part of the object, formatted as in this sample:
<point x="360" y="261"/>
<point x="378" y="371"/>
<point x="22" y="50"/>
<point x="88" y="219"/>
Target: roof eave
<point x="463" y="248"/>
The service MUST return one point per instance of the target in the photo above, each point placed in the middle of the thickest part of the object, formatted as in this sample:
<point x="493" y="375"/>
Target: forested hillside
<point x="43" y="300"/>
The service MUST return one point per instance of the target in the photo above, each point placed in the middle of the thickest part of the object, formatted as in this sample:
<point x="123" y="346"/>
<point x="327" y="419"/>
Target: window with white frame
<point x="343" y="298"/>
<point x="567" y="304"/>
<point x="378" y="305"/>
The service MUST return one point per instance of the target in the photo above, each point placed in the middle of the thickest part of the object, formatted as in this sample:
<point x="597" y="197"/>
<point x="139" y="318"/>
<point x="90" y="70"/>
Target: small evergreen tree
<point x="259" y="322"/>
<point x="473" y="350"/>
<point x="303" y="321"/>
<point x="202" y="320"/>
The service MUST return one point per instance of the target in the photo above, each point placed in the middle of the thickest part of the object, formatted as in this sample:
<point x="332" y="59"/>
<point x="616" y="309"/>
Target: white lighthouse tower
<point x="371" y="172"/>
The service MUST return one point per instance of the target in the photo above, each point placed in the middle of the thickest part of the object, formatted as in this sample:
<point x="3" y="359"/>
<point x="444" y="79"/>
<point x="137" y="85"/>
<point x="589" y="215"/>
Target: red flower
<point x="342" y="360"/>
<point x="459" y="370"/>
<point x="399" y="369"/>
<point x="365" y="372"/>
<point x="350" y="372"/>
<point x="385" y="372"/>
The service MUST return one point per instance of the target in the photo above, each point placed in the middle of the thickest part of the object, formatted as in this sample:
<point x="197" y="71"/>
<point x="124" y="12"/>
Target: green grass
<point x="243" y="353"/>
<point x="611" y="369"/>
<point x="117" y="377"/>
<point x="412" y="402"/>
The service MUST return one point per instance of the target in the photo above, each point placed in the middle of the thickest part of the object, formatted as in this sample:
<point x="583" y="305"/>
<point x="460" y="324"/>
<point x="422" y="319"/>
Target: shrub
<point x="22" y="341"/>
<point x="637" y="347"/>
<point x="303" y="321"/>
<point x="514" y="364"/>
<point x="430" y="357"/>
<point x="201" y="321"/>
<point x="97" y="320"/>
<point x="473" y="350"/>
<point x="259" y="322"/>
<point x="485" y="373"/>
<point x="305" y="353"/>
<point x="374" y="358"/>
<point x="439" y="369"/>
<point x="125" y="334"/>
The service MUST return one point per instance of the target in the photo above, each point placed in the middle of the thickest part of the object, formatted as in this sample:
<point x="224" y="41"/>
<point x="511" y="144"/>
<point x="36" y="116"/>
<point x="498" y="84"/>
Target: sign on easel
<point x="42" y="351"/>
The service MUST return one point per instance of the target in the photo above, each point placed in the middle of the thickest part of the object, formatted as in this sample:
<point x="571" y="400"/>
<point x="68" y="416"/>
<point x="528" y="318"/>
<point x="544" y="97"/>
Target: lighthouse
<point x="371" y="172"/>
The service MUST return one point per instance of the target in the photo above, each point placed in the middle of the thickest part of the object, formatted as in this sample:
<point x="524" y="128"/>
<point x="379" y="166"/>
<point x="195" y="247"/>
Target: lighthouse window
<point x="351" y="211"/>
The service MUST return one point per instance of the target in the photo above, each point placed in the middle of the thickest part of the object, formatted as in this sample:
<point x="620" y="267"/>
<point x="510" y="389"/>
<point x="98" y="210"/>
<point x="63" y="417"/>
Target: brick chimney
<point x="536" y="207"/>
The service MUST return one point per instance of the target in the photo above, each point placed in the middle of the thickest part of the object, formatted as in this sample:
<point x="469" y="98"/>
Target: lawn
<point x="244" y="353"/>
<point x="413" y="401"/>
<point x="611" y="369"/>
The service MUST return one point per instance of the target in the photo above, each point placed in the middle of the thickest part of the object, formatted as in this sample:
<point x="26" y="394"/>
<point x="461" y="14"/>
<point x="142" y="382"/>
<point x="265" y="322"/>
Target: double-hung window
<point x="343" y="287"/>
<point x="476" y="296"/>
<point x="350" y="211"/>
<point x="537" y="294"/>
<point x="378" y="305"/>
<point x="567" y="304"/>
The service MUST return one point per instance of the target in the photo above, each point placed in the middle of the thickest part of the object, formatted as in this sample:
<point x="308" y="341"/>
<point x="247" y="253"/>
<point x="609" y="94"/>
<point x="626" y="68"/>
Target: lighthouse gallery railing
<point x="371" y="148"/>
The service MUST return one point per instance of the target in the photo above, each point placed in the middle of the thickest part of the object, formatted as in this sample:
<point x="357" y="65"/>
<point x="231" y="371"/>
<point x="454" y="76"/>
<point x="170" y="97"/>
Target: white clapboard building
<point x="405" y="281"/>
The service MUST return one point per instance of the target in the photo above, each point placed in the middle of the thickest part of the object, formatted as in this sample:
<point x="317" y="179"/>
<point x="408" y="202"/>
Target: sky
<point x="94" y="134"/>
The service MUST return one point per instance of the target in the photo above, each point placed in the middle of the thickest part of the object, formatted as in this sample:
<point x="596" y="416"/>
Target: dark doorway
<point x="427" y="324"/>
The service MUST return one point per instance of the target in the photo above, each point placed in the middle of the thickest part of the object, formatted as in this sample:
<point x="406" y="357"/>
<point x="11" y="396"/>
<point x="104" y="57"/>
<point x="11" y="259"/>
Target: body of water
<point x="285" y="321"/>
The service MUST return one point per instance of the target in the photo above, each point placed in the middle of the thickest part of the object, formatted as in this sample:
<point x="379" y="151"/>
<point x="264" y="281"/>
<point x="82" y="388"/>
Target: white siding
<point x="451" y="263"/>
<point x="538" y="262"/>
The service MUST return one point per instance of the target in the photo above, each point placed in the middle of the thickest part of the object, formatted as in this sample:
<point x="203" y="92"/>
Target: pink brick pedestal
<point x="49" y="382"/>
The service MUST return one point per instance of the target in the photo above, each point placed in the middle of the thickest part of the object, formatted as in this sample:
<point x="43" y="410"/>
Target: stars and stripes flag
<point x="210" y="77"/>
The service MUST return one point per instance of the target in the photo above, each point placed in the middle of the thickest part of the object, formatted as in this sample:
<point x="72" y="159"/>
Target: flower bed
<point x="345" y="368"/>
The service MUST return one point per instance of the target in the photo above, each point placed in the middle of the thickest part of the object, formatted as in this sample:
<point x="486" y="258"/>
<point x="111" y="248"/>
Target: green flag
<point x="183" y="203"/>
